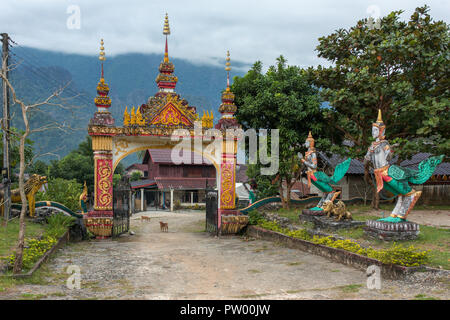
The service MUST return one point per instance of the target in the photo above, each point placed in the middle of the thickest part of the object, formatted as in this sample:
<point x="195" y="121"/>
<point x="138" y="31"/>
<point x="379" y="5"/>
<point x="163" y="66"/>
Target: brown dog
<point x="164" y="226"/>
<point x="145" y="218"/>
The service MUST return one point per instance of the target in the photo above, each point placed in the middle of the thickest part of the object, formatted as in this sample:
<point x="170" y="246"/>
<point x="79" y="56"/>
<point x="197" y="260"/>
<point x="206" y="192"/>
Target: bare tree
<point x="25" y="110"/>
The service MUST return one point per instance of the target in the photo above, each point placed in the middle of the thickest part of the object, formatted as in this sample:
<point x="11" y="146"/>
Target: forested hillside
<point x="131" y="78"/>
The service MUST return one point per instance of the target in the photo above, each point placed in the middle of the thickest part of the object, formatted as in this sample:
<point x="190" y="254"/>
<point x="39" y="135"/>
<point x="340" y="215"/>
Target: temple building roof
<point x="166" y="108"/>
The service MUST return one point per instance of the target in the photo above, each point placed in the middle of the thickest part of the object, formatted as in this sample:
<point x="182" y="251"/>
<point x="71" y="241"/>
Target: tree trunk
<point x="21" y="241"/>
<point x="283" y="201"/>
<point x="288" y="195"/>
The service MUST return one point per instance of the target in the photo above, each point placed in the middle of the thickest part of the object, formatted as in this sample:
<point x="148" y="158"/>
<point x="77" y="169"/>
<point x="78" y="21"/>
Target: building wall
<point x="353" y="186"/>
<point x="434" y="194"/>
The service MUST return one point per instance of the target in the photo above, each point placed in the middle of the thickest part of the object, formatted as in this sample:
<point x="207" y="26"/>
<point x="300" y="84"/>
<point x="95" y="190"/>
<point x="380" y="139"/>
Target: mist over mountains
<point x="131" y="79"/>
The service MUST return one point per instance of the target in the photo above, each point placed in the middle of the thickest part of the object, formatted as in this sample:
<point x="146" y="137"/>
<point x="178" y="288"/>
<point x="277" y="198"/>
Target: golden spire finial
<point x="310" y="135"/>
<point x="379" y="119"/>
<point x="227" y="64"/>
<point x="102" y="57"/>
<point x="227" y="69"/>
<point x="166" y="30"/>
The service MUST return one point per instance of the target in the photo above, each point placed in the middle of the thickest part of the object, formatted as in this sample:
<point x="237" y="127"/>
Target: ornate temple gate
<point x="154" y="125"/>
<point x="211" y="224"/>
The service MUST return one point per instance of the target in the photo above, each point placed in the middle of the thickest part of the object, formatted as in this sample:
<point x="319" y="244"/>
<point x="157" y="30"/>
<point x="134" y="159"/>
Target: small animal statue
<point x="164" y="226"/>
<point x="338" y="210"/>
<point x="31" y="187"/>
<point x="145" y="218"/>
<point x="327" y="207"/>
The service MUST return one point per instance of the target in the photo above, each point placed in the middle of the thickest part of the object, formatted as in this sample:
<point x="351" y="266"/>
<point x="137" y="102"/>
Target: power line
<point x="36" y="63"/>
<point x="52" y="81"/>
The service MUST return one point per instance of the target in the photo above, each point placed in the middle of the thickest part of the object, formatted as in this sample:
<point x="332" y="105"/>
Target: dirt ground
<point x="187" y="263"/>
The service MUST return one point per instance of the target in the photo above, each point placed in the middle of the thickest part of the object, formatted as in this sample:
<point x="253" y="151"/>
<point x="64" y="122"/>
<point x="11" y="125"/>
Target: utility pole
<point x="6" y="170"/>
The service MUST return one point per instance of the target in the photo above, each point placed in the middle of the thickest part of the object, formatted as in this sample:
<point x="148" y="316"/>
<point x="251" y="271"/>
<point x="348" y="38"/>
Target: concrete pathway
<point x="187" y="263"/>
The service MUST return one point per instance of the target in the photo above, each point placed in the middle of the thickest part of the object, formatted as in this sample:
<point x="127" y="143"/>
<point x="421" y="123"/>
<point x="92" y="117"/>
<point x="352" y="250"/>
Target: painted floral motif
<point x="104" y="184"/>
<point x="227" y="194"/>
<point x="171" y="116"/>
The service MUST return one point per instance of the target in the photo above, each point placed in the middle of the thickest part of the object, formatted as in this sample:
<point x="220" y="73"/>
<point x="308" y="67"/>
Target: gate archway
<point x="162" y="122"/>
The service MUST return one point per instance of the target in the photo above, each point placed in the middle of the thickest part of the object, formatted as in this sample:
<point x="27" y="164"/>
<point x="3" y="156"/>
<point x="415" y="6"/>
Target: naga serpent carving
<point x="31" y="187"/>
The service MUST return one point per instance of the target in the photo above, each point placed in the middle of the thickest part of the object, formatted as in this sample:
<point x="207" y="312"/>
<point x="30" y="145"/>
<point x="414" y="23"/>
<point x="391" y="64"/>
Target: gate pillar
<point x="100" y="220"/>
<point x="230" y="221"/>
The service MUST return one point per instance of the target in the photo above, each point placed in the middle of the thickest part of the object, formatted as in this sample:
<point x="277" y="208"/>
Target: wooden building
<point x="168" y="184"/>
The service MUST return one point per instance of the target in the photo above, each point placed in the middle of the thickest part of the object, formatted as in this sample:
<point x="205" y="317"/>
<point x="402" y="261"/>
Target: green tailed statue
<point x="320" y="179"/>
<point x="396" y="179"/>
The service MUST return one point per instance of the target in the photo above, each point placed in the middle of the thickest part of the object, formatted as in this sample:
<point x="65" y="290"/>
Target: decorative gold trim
<point x="101" y="143"/>
<point x="166" y="146"/>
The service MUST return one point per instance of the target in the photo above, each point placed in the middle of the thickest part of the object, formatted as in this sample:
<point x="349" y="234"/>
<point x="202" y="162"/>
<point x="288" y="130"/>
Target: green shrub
<point x="34" y="250"/>
<point x="397" y="254"/>
<point x="135" y="176"/>
<point x="177" y="205"/>
<point x="254" y="217"/>
<point x="58" y="224"/>
<point x="63" y="191"/>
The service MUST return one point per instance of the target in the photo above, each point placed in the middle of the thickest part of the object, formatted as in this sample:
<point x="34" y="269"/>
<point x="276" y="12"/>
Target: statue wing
<point x="340" y="170"/>
<point x="426" y="169"/>
<point x="400" y="173"/>
<point x="424" y="172"/>
<point x="322" y="176"/>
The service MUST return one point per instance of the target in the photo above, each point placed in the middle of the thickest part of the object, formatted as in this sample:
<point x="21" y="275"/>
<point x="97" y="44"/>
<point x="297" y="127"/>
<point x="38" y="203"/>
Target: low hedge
<point x="397" y="254"/>
<point x="34" y="249"/>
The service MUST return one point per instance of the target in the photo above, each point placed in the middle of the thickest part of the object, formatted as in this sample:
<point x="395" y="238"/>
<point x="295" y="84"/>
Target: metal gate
<point x="122" y="207"/>
<point x="211" y="211"/>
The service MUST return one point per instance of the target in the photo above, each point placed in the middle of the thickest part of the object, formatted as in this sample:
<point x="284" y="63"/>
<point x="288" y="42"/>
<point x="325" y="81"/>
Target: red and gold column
<point x="230" y="220"/>
<point x="100" y="220"/>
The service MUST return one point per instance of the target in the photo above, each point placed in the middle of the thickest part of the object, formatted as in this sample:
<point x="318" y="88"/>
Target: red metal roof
<point x="165" y="156"/>
<point x="147" y="183"/>
<point x="184" y="183"/>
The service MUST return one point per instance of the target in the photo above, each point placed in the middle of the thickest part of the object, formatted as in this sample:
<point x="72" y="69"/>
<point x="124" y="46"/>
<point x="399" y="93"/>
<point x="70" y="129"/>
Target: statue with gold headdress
<point x="83" y="199"/>
<point x="393" y="178"/>
<point x="320" y="179"/>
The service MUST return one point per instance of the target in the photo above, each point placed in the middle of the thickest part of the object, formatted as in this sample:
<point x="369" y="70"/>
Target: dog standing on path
<point x="145" y="218"/>
<point x="164" y="226"/>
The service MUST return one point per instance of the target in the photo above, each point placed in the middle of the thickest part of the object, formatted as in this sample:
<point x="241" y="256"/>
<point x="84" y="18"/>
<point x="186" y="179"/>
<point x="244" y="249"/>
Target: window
<point x="187" y="196"/>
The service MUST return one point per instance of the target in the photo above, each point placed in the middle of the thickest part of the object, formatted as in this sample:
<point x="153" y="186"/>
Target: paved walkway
<point x="187" y="263"/>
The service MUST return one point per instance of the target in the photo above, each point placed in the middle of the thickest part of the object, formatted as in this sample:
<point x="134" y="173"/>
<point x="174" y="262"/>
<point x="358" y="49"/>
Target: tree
<point x="283" y="99"/>
<point x="39" y="167"/>
<point x="401" y="68"/>
<point x="135" y="176"/>
<point x="79" y="165"/>
<point x="63" y="191"/>
<point x="264" y="186"/>
<point x="25" y="110"/>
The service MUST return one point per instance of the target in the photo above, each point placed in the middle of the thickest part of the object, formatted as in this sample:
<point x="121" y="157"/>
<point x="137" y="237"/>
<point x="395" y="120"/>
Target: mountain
<point x="131" y="78"/>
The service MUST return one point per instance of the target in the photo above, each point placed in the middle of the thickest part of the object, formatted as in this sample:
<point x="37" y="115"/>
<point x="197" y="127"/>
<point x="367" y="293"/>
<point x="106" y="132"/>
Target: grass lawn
<point x="9" y="235"/>
<point x="435" y="239"/>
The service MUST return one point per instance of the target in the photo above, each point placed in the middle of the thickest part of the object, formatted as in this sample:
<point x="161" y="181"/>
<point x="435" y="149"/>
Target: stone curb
<point x="61" y="242"/>
<point x="334" y="254"/>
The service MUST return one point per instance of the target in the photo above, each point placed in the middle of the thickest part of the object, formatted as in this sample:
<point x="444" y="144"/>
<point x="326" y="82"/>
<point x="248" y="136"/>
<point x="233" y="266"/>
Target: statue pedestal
<point x="324" y="222"/>
<point x="308" y="215"/>
<point x="232" y="221"/>
<point x="390" y="231"/>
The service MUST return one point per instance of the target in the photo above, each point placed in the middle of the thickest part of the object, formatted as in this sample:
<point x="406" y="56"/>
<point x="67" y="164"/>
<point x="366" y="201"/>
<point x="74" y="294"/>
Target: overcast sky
<point x="201" y="30"/>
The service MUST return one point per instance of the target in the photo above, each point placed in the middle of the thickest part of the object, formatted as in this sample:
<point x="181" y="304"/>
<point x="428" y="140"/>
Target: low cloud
<point x="201" y="31"/>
